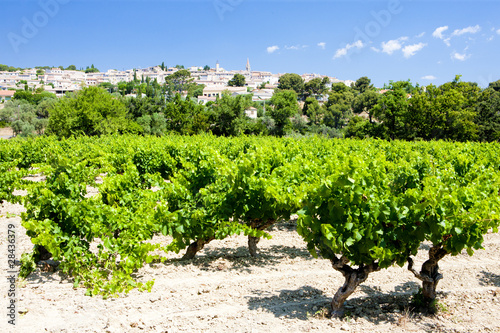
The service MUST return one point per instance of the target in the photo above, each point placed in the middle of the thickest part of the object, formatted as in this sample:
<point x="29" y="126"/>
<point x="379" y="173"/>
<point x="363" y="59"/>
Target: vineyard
<point x="363" y="205"/>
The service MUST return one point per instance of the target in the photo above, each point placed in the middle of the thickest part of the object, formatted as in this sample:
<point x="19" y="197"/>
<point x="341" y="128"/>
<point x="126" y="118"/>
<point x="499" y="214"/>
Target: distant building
<point x="6" y="95"/>
<point x="251" y="113"/>
<point x="212" y="92"/>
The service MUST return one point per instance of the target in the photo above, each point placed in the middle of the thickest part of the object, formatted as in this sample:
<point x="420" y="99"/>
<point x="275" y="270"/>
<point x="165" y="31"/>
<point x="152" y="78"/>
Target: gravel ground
<point x="283" y="290"/>
<point x="6" y="132"/>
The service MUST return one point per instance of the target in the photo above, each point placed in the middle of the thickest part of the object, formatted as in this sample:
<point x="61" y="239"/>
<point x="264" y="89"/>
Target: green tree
<point x="365" y="102"/>
<point x="108" y="86"/>
<point x="139" y="107"/>
<point x="338" y="109"/>
<point x="71" y="68"/>
<point x="407" y="86"/>
<point x="22" y="117"/>
<point x="357" y="127"/>
<point x="292" y="81"/>
<point x="182" y="114"/>
<point x="178" y="81"/>
<point x="445" y="112"/>
<point x="229" y="113"/>
<point x="316" y="86"/>
<point x="362" y="84"/>
<point x="42" y="108"/>
<point x="340" y="87"/>
<point x="90" y="111"/>
<point x="196" y="90"/>
<point x="92" y="69"/>
<point x="23" y="95"/>
<point x="206" y="68"/>
<point x="488" y="115"/>
<point x="313" y="111"/>
<point x="5" y="68"/>
<point x="238" y="80"/>
<point x="392" y="110"/>
<point x="154" y="124"/>
<point x="495" y="85"/>
<point x="285" y="105"/>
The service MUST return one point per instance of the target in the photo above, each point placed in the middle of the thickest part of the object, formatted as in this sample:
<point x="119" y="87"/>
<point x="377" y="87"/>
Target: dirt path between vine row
<point x="284" y="290"/>
<point x="6" y="132"/>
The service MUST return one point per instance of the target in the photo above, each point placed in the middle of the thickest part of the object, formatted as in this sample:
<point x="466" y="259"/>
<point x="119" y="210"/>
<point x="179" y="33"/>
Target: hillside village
<point x="215" y="80"/>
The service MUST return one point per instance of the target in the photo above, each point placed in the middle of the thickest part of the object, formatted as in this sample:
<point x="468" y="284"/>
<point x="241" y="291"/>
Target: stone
<point x="345" y="327"/>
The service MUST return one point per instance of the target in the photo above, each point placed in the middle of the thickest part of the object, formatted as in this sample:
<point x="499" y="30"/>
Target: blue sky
<point x="424" y="41"/>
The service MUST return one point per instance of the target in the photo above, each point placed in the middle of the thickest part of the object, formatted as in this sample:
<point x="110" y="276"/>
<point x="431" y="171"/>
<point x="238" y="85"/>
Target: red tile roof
<point x="7" y="93"/>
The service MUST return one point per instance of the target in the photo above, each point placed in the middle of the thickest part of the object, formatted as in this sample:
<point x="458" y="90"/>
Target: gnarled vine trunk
<point x="429" y="274"/>
<point x="194" y="247"/>
<point x="260" y="225"/>
<point x="353" y="278"/>
<point x="252" y="245"/>
<point x="41" y="253"/>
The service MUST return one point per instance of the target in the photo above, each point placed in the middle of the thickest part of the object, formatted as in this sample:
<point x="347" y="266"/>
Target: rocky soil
<point x="284" y="290"/>
<point x="6" y="132"/>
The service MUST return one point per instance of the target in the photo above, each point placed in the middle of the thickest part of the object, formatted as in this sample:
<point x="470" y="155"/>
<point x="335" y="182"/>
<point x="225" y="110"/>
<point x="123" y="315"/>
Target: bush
<point x="91" y="111"/>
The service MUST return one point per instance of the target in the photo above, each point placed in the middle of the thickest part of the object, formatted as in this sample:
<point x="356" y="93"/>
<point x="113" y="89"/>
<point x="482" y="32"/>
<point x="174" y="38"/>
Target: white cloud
<point x="374" y="49"/>
<point x="322" y="45"/>
<point x="393" y="45"/>
<point x="438" y="33"/>
<point x="410" y="50"/>
<point x="296" y="47"/>
<point x="272" y="49"/>
<point x="468" y="30"/>
<point x="420" y="35"/>
<point x="342" y="52"/>
<point x="429" y="77"/>
<point x="459" y="56"/>
<point x="498" y="31"/>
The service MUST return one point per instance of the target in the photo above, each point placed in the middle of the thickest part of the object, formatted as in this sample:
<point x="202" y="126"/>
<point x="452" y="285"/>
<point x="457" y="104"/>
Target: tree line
<point x="456" y="110"/>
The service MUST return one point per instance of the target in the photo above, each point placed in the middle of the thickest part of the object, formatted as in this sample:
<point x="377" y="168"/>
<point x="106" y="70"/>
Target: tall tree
<point x="285" y="105"/>
<point x="90" y="111"/>
<point x="313" y="111"/>
<point x="230" y="114"/>
<point x="178" y="81"/>
<point x="238" y="80"/>
<point x="338" y="108"/>
<point x="316" y="86"/>
<point x="458" y="100"/>
<point x="182" y="115"/>
<point x="365" y="102"/>
<point x="391" y="110"/>
<point x="488" y="115"/>
<point x="362" y="84"/>
<point x="291" y="81"/>
<point x="495" y="85"/>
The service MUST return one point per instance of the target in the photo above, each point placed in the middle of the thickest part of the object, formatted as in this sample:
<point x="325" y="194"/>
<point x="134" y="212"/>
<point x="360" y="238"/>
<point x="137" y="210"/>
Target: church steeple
<point x="248" y="66"/>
